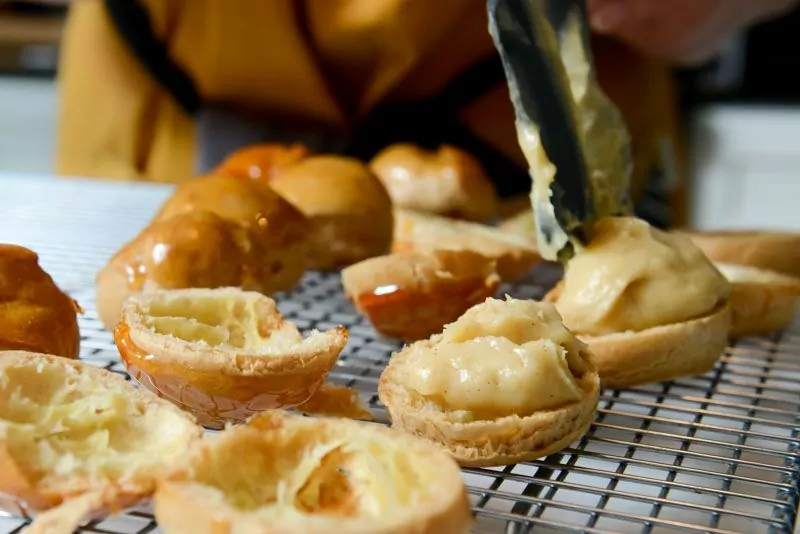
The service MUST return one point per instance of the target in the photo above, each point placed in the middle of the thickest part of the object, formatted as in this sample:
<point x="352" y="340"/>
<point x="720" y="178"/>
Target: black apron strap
<point x="133" y="23"/>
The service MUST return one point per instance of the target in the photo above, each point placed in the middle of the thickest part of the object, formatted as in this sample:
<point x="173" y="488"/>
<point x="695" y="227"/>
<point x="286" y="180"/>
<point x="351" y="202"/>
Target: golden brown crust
<point x="417" y="232"/>
<point x="761" y="301"/>
<point x="774" y="251"/>
<point x="322" y="498"/>
<point x="661" y="353"/>
<point x="35" y="486"/>
<point x="213" y="232"/>
<point x="261" y="162"/>
<point x="410" y="295"/>
<point x="223" y="381"/>
<point x="448" y="181"/>
<point x="35" y="315"/>
<point x="349" y="209"/>
<point x="503" y="441"/>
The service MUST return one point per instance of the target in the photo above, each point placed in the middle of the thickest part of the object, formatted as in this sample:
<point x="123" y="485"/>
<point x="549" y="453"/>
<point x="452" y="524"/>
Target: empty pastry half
<point x="412" y="295"/>
<point x="417" y="232"/>
<point x="504" y="383"/>
<point x="775" y="251"/>
<point x="649" y="304"/>
<point x="222" y="354"/>
<point x="290" y="474"/>
<point x="761" y="301"/>
<point x="81" y="441"/>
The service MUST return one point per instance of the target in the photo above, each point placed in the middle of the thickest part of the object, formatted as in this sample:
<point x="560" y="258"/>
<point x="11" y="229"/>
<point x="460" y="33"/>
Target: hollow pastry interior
<point x="632" y="277"/>
<point x="223" y="354"/>
<point x="500" y="358"/>
<point x="71" y="428"/>
<point x="292" y="472"/>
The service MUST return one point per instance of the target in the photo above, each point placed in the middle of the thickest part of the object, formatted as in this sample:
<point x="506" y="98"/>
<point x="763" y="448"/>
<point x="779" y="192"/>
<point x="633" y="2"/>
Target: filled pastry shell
<point x="222" y="354"/>
<point x="412" y="295"/>
<point x="506" y="382"/>
<point x="290" y="474"/>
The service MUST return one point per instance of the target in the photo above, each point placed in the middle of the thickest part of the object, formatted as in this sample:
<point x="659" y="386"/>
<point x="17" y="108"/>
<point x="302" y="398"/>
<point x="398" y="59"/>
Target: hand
<point x="683" y="31"/>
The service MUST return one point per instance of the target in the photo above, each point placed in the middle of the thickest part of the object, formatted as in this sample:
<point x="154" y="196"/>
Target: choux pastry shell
<point x="35" y="315"/>
<point x="222" y="354"/>
<point x="78" y="442"/>
<point x="290" y="474"/>
<point x="412" y="295"/>
<point x="447" y="181"/>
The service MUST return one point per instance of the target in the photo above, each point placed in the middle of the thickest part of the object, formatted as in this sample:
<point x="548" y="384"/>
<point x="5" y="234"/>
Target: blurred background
<point x="742" y="110"/>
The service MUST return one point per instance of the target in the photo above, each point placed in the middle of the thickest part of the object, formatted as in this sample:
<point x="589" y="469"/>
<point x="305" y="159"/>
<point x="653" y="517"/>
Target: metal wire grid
<point x="714" y="453"/>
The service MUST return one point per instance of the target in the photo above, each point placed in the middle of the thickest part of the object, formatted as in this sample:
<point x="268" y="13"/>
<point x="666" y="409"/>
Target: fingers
<point x="683" y="31"/>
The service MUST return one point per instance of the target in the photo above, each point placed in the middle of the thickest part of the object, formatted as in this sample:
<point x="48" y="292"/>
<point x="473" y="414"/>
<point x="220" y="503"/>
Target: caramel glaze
<point x="411" y="314"/>
<point x="214" y="397"/>
<point x="35" y="315"/>
<point x="213" y="232"/>
<point x="262" y="161"/>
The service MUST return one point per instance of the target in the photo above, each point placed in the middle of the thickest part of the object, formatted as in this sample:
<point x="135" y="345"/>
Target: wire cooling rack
<point x="715" y="453"/>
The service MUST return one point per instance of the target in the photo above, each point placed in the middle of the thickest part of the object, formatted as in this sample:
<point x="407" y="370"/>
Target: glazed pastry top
<point x="500" y="358"/>
<point x="632" y="277"/>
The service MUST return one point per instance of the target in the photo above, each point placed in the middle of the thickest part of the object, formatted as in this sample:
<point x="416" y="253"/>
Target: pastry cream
<point x="632" y="277"/>
<point x="500" y="358"/>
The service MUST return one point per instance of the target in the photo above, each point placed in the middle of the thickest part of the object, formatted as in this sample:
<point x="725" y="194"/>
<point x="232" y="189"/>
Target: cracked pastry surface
<point x="215" y="231"/>
<point x="650" y="304"/>
<point x="503" y="383"/>
<point x="447" y="181"/>
<point x="35" y="315"/>
<point x="411" y="295"/>
<point x="222" y="354"/>
<point x="81" y="438"/>
<point x="291" y="474"/>
<point x="762" y="301"/>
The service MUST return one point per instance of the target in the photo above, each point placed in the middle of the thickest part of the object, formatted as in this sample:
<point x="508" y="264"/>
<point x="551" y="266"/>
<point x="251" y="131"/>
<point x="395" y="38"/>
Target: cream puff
<point x="35" y="315"/>
<point x="447" y="181"/>
<point x="417" y="232"/>
<point x="292" y="474"/>
<point x="649" y="304"/>
<point x="222" y="354"/>
<point x="762" y="301"/>
<point x="78" y="442"/>
<point x="215" y="231"/>
<point x="349" y="209"/>
<point x="505" y="383"/>
<point x="412" y="295"/>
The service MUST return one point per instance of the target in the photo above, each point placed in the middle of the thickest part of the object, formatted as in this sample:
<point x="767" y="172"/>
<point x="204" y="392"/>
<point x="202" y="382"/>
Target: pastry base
<point x="503" y="441"/>
<point x="661" y="353"/>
